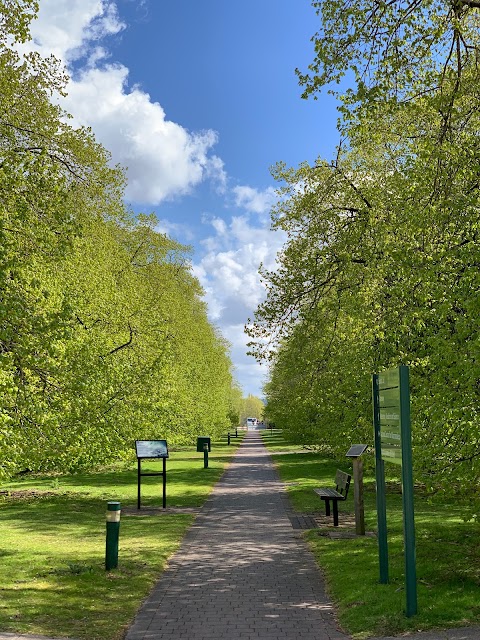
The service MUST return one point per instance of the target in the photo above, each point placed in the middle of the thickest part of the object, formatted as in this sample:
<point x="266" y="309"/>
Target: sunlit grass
<point x="447" y="550"/>
<point x="52" y="544"/>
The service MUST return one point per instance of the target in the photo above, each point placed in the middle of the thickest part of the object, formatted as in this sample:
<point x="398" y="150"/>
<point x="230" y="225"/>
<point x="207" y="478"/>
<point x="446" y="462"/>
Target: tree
<point x="235" y="405"/>
<point x="392" y="51"/>
<point x="104" y="337"/>
<point x="252" y="408"/>
<point x="381" y="265"/>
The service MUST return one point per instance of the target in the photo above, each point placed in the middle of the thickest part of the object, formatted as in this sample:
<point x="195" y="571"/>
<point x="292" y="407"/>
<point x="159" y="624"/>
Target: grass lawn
<point x="52" y="543"/>
<point x="447" y="550"/>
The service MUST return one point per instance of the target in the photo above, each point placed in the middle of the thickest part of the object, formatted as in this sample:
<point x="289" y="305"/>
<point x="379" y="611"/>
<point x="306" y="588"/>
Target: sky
<point x="198" y="100"/>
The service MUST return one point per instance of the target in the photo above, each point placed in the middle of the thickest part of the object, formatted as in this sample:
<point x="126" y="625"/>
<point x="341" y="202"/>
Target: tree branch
<point x="125" y="344"/>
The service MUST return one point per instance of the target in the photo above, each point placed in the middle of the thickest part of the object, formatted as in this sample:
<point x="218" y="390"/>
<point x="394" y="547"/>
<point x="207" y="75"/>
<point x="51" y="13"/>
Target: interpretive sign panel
<point x="356" y="450"/>
<point x="393" y="443"/>
<point x="202" y="441"/>
<point x="151" y="448"/>
<point x="154" y="450"/>
<point x="390" y="418"/>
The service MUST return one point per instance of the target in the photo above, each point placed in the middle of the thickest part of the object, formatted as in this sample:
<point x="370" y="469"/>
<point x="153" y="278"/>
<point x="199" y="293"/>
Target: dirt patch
<point x="28" y="494"/>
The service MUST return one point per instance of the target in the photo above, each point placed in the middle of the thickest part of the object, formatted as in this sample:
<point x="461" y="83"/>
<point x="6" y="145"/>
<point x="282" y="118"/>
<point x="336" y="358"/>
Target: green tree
<point x="235" y="406"/>
<point x="47" y="171"/>
<point x="252" y="407"/>
<point x="104" y="337"/>
<point x="381" y="266"/>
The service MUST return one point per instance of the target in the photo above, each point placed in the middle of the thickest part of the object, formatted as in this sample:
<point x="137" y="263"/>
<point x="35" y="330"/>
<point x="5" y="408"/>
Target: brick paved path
<point x="242" y="573"/>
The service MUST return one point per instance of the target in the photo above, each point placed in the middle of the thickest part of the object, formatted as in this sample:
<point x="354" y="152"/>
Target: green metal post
<point x="205" y="456"/>
<point x="380" y="482"/>
<point x="407" y="494"/>
<point x="164" y="478"/>
<point x="113" y="529"/>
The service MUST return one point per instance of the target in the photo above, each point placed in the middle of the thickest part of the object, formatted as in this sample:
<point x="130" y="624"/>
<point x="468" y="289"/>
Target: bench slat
<point x="342" y="480"/>
<point x="330" y="493"/>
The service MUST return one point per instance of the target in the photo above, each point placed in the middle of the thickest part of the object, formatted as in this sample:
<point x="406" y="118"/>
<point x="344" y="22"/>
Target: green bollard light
<point x="113" y="529"/>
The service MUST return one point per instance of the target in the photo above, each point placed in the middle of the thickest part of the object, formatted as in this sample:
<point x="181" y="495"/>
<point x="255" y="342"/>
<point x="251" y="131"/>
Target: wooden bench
<point x="342" y="481"/>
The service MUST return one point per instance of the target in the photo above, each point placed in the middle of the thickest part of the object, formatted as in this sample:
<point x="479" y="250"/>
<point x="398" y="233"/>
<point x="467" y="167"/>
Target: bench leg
<point x="335" y="513"/>
<point x="327" y="507"/>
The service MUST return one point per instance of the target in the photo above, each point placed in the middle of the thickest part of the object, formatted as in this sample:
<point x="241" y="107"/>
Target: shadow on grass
<point x="447" y="551"/>
<point x="69" y="593"/>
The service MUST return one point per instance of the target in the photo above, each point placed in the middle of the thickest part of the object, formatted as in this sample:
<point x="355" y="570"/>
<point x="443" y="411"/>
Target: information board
<point x="151" y="448"/>
<point x="202" y="441"/>
<point x="390" y="415"/>
<point x="356" y="450"/>
<point x="393" y="443"/>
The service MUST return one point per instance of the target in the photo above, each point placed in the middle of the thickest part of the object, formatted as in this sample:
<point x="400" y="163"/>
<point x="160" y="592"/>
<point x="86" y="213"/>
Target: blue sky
<point x="198" y="100"/>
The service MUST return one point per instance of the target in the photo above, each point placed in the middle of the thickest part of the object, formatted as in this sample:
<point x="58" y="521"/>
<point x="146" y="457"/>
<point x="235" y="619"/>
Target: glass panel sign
<point x="151" y="448"/>
<point x="356" y="450"/>
<point x="389" y="405"/>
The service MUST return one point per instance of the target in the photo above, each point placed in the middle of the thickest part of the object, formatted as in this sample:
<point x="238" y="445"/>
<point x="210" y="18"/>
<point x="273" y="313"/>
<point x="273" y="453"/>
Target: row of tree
<point x="381" y="266"/>
<point x="104" y="337"/>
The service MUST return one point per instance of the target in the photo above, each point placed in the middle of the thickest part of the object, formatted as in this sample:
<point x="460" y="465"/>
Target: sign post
<point x="407" y="481"/>
<point x="393" y="443"/>
<point x="153" y="450"/>
<point x="355" y="452"/>
<point x="380" y="484"/>
<point x="204" y="444"/>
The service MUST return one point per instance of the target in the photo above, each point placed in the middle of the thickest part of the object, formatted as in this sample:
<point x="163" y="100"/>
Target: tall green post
<point x="380" y="482"/>
<point x="113" y="530"/>
<point x="407" y="494"/>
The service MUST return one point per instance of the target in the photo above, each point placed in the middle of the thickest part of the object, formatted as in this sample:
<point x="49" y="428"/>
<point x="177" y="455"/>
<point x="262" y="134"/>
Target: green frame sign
<point x="393" y="443"/>
<point x="151" y="449"/>
<point x="389" y="416"/>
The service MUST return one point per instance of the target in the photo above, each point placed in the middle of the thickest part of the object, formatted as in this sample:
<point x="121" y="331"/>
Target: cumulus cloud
<point x="175" y="230"/>
<point x="251" y="374"/>
<point x="229" y="274"/>
<point x="163" y="159"/>
<point x="241" y="242"/>
<point x="68" y="29"/>
<point x="253" y="200"/>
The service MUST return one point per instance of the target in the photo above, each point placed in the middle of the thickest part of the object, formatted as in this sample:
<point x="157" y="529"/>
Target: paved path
<point x="242" y="573"/>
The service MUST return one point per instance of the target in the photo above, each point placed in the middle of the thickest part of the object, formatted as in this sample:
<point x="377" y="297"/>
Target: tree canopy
<point x="381" y="266"/>
<point x="104" y="336"/>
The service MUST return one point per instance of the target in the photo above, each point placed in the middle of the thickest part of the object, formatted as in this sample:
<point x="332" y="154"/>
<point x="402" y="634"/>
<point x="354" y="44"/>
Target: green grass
<point x="52" y="544"/>
<point x="447" y="549"/>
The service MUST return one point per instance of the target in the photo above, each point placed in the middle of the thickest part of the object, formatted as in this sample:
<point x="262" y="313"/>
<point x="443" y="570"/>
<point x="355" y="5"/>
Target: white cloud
<point x="163" y="159"/>
<point x="253" y="200"/>
<point x="175" y="230"/>
<point x="229" y="274"/>
<point x="69" y="28"/>
<point x="248" y="372"/>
